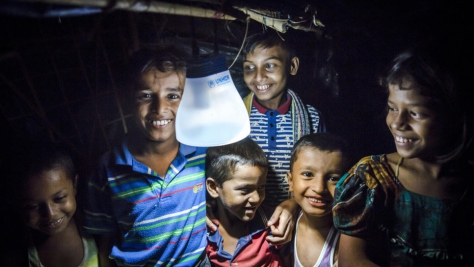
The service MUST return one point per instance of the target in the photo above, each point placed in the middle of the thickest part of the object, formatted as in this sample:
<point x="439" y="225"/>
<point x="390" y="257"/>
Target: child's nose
<point x="259" y="75"/>
<point x="319" y="186"/>
<point x="255" y="197"/>
<point x="157" y="105"/>
<point x="398" y="121"/>
<point x="48" y="210"/>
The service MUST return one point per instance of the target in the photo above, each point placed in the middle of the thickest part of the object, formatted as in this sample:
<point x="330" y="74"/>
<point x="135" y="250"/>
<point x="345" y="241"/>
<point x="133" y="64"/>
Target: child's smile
<point x="157" y="103"/>
<point x="243" y="193"/>
<point x="265" y="73"/>
<point x="413" y="122"/>
<point x="313" y="178"/>
<point x="49" y="201"/>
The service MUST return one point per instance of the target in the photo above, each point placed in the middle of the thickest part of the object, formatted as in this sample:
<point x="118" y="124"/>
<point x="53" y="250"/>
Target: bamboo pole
<point x="143" y="6"/>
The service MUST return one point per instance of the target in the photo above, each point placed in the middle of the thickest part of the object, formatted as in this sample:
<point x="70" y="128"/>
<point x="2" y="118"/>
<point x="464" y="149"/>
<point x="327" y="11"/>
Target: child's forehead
<point x="47" y="180"/>
<point x="315" y="151"/>
<point x="276" y="51"/>
<point x="55" y="173"/>
<point x="154" y="76"/>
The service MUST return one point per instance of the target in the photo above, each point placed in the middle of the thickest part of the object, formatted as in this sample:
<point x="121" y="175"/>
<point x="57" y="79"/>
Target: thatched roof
<point x="58" y="58"/>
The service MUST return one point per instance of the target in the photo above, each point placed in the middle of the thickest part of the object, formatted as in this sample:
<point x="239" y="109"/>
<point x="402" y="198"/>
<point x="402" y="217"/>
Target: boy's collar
<point x="281" y="109"/>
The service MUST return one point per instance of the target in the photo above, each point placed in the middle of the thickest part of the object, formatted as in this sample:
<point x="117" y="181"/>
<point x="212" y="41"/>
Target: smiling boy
<point x="236" y="177"/>
<point x="278" y="117"/>
<point x="318" y="161"/>
<point x="135" y="201"/>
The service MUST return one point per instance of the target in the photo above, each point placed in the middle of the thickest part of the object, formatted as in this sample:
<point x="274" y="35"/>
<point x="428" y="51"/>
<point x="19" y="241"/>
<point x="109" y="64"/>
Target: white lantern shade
<point x="211" y="112"/>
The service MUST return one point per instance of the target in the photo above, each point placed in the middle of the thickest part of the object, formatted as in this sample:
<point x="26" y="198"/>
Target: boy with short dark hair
<point x="318" y="161"/>
<point x="148" y="199"/>
<point x="278" y="117"/>
<point x="236" y="177"/>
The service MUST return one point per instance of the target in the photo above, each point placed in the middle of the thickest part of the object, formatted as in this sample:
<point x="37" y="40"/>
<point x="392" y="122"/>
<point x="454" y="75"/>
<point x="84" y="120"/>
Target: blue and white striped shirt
<point x="273" y="132"/>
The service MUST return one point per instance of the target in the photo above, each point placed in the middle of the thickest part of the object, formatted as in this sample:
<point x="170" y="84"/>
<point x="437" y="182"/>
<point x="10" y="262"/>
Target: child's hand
<point x="282" y="222"/>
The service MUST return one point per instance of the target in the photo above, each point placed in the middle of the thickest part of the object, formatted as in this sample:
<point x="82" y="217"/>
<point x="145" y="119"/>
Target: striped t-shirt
<point x="161" y="221"/>
<point x="273" y="132"/>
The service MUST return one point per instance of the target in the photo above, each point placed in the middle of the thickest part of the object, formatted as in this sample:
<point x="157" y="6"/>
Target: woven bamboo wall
<point x="58" y="75"/>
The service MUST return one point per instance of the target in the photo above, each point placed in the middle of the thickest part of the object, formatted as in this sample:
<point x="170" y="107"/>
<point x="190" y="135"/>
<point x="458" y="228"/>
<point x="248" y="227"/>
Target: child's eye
<point x="61" y="198"/>
<point x="32" y="207"/>
<point x="334" y="179"/>
<point x="249" y="68"/>
<point x="270" y="66"/>
<point x="173" y="96"/>
<point x="144" y="96"/>
<point x="261" y="188"/>
<point x="244" y="190"/>
<point x="390" y="109"/>
<point x="307" y="174"/>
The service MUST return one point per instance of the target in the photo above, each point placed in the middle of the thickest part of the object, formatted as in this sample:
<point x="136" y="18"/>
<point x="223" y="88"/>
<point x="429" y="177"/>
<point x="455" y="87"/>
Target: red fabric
<point x="281" y="109"/>
<point x="255" y="253"/>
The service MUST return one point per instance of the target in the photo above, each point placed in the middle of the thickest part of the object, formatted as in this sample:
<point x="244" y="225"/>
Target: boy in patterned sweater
<point x="278" y="117"/>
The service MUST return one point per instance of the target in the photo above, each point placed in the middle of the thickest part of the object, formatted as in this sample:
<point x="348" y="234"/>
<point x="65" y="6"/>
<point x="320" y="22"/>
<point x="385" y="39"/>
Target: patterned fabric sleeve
<point x="98" y="212"/>
<point x="362" y="197"/>
<point x="317" y="121"/>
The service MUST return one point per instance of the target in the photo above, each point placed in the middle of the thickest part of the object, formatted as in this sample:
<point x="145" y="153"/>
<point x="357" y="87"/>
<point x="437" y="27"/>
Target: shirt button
<point x="272" y="138"/>
<point x="271" y="124"/>
<point x="271" y="113"/>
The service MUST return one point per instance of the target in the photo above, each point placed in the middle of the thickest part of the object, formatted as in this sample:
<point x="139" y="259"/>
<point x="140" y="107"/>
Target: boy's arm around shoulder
<point x="104" y="247"/>
<point x="98" y="216"/>
<point x="282" y="222"/>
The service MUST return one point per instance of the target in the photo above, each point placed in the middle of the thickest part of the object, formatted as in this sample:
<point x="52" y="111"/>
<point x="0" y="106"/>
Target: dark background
<point x="58" y="77"/>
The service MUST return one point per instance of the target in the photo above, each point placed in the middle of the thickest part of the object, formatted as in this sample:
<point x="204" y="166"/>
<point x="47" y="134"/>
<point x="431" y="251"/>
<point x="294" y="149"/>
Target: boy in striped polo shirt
<point x="278" y="117"/>
<point x="147" y="202"/>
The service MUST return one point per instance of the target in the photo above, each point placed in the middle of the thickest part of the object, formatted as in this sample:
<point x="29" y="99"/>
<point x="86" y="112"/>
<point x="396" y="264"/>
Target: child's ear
<point x="290" y="180"/>
<point x="294" y="65"/>
<point x="212" y="187"/>
<point x="76" y="178"/>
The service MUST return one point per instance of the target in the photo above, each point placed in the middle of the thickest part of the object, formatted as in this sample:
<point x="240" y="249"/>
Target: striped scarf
<point x="299" y="114"/>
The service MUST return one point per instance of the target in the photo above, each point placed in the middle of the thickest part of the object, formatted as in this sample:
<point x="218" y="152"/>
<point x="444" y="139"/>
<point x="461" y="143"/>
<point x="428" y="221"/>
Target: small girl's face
<point x="48" y="201"/>
<point x="414" y="124"/>
<point x="313" y="179"/>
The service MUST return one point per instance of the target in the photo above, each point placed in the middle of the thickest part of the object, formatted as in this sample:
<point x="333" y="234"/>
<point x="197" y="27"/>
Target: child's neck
<point x="231" y="230"/>
<point x="428" y="177"/>
<point x="311" y="236"/>
<point x="316" y="223"/>
<point x="156" y="155"/>
<point x="56" y="250"/>
<point x="140" y="145"/>
<point x="274" y="103"/>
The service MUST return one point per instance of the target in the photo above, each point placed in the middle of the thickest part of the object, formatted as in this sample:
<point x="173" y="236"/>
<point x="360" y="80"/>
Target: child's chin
<point x="247" y="218"/>
<point x="318" y="214"/>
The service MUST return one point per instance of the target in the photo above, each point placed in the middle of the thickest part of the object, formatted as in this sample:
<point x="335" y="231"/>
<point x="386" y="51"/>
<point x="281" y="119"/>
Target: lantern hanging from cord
<point x="211" y="112"/>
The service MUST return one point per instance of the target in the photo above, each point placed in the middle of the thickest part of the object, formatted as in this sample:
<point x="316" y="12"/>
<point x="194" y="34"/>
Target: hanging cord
<point x="243" y="42"/>
<point x="216" y="46"/>
<point x="193" y="36"/>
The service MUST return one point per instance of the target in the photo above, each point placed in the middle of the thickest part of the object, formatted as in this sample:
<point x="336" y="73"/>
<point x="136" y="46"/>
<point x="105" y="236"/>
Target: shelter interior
<point x="58" y="62"/>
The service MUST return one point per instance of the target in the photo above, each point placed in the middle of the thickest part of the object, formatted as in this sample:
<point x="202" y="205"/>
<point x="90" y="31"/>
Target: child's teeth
<point x="162" y="122"/>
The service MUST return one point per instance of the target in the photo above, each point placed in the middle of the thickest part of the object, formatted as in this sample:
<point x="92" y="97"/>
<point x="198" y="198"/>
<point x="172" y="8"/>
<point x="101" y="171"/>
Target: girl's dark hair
<point x="267" y="39"/>
<point x="440" y="75"/>
<point x="324" y="141"/>
<point x="221" y="161"/>
<point x="35" y="159"/>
